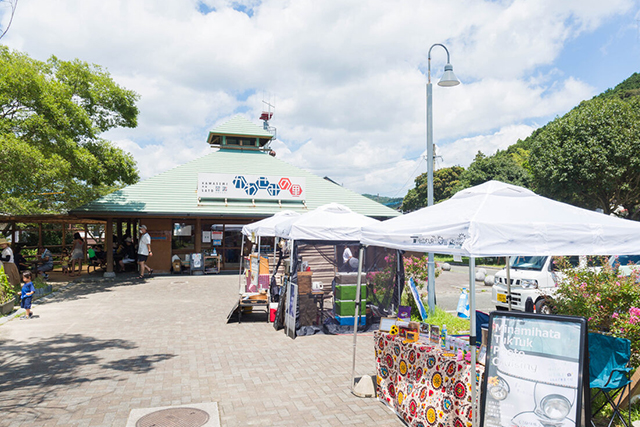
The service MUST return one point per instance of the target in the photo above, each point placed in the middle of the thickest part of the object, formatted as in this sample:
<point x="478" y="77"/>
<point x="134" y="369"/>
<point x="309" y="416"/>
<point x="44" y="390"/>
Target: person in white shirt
<point x="144" y="251"/>
<point x="7" y="261"/>
<point x="349" y="262"/>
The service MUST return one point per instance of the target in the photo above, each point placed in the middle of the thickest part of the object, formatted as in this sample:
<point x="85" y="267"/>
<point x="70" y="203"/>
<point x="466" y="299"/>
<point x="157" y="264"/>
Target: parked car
<point x="533" y="280"/>
<point x="625" y="264"/>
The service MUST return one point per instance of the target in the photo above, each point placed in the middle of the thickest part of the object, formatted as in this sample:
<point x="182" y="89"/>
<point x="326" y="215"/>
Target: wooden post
<point x="119" y="230"/>
<point x="198" y="235"/>
<point x="39" y="234"/>
<point x="635" y="390"/>
<point x="64" y="235"/>
<point x="109" y="247"/>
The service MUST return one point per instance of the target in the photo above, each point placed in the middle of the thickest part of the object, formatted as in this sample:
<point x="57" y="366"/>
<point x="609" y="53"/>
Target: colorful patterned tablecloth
<point x="424" y="385"/>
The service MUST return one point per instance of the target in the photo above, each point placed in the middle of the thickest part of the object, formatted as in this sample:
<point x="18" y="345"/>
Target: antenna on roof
<point x="267" y="113"/>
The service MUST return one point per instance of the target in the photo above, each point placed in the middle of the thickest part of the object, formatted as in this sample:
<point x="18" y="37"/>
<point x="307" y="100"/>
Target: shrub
<point x="7" y="292"/>
<point x="609" y="301"/>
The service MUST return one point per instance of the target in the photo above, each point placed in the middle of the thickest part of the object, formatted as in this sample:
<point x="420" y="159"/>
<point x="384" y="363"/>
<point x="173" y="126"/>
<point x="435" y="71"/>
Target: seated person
<point x="47" y="262"/>
<point x="126" y="254"/>
<point x="101" y="255"/>
<point x="20" y="260"/>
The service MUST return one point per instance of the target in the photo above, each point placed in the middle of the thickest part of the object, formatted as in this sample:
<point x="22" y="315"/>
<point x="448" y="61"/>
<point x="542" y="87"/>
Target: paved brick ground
<point x="100" y="349"/>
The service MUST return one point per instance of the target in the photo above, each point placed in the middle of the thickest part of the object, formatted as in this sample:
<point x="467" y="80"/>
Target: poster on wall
<point x="206" y="237"/>
<point x="216" y="238"/>
<point x="292" y="310"/>
<point x="535" y="370"/>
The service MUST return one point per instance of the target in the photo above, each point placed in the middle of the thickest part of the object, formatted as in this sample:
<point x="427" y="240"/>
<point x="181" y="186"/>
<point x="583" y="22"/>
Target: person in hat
<point x="144" y="251"/>
<point x="10" y="269"/>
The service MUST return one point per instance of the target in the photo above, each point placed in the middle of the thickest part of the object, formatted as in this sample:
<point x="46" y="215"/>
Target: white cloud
<point x="462" y="151"/>
<point x="349" y="76"/>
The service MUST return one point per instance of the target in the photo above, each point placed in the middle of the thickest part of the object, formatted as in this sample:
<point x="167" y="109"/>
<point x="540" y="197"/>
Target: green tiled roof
<point x="174" y="192"/>
<point x="238" y="125"/>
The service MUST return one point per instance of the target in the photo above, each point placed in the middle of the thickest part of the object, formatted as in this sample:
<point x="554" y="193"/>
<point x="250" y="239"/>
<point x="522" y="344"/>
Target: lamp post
<point x="448" y="79"/>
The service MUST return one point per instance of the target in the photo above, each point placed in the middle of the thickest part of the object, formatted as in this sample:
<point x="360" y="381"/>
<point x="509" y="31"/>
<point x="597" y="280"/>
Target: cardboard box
<point x="304" y="282"/>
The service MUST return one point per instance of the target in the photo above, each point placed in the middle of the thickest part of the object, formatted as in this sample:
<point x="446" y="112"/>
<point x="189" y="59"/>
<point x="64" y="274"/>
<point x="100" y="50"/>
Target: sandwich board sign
<point x="535" y="371"/>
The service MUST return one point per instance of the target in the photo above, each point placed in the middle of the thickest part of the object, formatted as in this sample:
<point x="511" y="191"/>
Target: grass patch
<point x="490" y="262"/>
<point x="455" y="325"/>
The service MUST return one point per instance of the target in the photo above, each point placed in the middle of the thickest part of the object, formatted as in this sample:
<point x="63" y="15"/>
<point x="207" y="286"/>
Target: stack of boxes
<point x="344" y="305"/>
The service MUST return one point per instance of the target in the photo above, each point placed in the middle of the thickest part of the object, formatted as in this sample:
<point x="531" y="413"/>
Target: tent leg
<point x="241" y="265"/>
<point x="357" y="316"/>
<point x="472" y="338"/>
<point x="509" y="282"/>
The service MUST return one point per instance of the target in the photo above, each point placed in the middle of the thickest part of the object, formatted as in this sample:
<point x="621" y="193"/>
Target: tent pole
<point x="472" y="336"/>
<point x="241" y="265"/>
<point x="509" y="282"/>
<point x="357" y="316"/>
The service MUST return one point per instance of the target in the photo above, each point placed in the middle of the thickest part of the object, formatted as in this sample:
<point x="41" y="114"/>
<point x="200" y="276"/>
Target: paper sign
<point x="206" y="237"/>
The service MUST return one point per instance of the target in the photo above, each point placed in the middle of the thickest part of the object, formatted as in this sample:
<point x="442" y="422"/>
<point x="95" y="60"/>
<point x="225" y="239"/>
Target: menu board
<point x="534" y="371"/>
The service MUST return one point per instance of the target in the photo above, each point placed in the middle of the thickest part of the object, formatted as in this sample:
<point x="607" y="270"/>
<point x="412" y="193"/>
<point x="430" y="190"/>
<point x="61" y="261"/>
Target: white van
<point x="532" y="278"/>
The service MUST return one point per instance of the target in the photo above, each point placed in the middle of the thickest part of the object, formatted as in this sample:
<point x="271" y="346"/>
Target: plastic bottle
<point x="443" y="337"/>
<point x="214" y="252"/>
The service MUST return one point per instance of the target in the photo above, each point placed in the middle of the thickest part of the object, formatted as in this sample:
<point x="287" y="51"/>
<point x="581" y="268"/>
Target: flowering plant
<point x="609" y="301"/>
<point x="416" y="268"/>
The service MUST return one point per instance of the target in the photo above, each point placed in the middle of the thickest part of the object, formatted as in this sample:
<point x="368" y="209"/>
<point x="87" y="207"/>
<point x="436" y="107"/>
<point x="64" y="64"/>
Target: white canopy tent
<point x="498" y="219"/>
<point x="264" y="227"/>
<point x="331" y="222"/>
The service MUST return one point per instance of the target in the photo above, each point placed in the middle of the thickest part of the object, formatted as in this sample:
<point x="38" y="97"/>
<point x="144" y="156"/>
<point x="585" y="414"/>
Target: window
<point x="183" y="236"/>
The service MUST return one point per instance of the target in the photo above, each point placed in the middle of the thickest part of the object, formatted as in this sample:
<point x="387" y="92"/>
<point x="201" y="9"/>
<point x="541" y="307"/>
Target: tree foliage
<point x="445" y="180"/>
<point x="510" y="166"/>
<point x="591" y="156"/>
<point x="51" y="116"/>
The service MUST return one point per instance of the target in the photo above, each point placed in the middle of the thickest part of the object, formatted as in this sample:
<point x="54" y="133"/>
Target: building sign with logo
<point x="535" y="369"/>
<point x="269" y="187"/>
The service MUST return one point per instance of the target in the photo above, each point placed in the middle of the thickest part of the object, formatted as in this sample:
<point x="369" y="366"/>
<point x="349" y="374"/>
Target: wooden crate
<point x="304" y="282"/>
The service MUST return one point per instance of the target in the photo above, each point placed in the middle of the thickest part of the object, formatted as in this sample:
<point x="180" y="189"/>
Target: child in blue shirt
<point x="27" y="293"/>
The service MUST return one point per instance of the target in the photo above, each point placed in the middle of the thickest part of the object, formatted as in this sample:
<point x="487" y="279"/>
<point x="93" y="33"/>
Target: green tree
<point x="445" y="181"/>
<point x="510" y="166"/>
<point x="590" y="157"/>
<point x="51" y="116"/>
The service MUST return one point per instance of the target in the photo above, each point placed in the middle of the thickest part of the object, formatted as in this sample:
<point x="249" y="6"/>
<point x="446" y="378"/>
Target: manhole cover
<point x="174" y="417"/>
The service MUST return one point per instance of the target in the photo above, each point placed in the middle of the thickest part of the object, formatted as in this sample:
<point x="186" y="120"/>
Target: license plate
<point x="502" y="298"/>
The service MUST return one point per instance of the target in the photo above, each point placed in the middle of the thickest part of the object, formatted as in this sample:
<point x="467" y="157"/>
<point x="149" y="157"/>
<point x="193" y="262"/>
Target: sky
<point x="347" y="78"/>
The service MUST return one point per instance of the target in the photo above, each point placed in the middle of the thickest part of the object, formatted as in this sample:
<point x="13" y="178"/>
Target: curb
<point x="20" y="311"/>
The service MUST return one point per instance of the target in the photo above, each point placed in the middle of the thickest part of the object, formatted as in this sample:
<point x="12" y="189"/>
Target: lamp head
<point x="448" y="78"/>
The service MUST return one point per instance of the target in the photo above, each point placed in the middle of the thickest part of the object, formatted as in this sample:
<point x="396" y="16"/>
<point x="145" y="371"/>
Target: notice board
<point x="535" y="371"/>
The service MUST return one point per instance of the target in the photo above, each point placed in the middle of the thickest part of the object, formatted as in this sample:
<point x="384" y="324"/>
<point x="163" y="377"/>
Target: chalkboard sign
<point x="535" y="370"/>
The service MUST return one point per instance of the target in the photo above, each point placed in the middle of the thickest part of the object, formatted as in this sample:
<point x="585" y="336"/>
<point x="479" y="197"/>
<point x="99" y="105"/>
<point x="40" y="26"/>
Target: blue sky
<point x="347" y="77"/>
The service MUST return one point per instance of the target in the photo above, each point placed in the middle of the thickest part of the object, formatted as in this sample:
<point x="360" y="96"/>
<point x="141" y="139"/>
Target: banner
<point x="534" y="371"/>
<point x="262" y="187"/>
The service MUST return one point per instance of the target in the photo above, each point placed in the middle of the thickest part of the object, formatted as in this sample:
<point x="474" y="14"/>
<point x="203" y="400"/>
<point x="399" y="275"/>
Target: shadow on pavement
<point x="33" y="375"/>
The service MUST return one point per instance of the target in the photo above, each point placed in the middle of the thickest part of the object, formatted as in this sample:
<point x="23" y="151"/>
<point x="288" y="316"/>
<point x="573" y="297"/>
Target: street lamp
<point x="448" y="79"/>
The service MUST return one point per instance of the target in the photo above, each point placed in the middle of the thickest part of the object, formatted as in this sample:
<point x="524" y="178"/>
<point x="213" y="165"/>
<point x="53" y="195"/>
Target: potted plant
<point x="6" y="294"/>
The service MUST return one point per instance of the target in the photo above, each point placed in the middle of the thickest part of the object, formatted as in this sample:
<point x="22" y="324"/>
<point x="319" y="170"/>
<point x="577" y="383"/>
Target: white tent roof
<point x="331" y="222"/>
<point x="266" y="227"/>
<point x="498" y="219"/>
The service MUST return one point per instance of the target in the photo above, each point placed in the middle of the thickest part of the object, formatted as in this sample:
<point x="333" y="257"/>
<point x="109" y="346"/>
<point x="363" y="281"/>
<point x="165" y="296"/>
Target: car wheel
<point x="542" y="307"/>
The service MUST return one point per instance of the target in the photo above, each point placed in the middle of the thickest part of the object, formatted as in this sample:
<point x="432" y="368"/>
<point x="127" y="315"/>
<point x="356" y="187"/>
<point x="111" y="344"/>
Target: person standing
<point x="144" y="251"/>
<point x="27" y="294"/>
<point x="10" y="268"/>
<point x="77" y="255"/>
